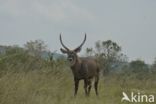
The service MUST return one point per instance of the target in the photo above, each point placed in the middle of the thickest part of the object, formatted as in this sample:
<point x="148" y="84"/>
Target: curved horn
<point x="82" y="42"/>
<point x="62" y="43"/>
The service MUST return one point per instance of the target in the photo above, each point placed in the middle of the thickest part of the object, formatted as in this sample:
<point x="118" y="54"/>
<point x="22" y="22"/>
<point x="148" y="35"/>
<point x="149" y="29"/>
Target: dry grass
<point x="56" y="87"/>
<point x="28" y="80"/>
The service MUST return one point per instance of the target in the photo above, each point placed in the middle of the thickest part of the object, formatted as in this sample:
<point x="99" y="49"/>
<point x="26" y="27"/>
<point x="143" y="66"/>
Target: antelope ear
<point x="63" y="51"/>
<point x="77" y="50"/>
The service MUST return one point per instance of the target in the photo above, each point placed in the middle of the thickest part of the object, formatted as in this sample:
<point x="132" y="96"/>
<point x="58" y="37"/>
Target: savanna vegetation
<point x="26" y="77"/>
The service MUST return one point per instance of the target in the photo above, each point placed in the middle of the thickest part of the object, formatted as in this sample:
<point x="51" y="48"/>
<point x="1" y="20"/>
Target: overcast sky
<point x="130" y="23"/>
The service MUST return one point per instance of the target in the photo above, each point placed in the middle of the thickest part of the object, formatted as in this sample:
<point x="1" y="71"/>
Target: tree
<point x="108" y="54"/>
<point x="138" y="66"/>
<point x="89" y="51"/>
<point x="15" y="49"/>
<point x="35" y="48"/>
<point x="139" y="69"/>
<point x="154" y="66"/>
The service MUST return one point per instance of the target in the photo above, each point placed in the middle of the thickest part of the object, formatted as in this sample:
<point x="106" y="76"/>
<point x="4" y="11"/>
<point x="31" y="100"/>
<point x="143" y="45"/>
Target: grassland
<point x="26" y="80"/>
<point x="56" y="87"/>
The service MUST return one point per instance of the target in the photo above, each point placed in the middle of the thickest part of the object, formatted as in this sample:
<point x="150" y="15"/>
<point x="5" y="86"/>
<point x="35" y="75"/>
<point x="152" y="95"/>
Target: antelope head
<point x="71" y="54"/>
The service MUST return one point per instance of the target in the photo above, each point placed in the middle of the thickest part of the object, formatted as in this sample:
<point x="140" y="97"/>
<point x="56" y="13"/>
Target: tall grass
<point x="35" y="81"/>
<point x="38" y="87"/>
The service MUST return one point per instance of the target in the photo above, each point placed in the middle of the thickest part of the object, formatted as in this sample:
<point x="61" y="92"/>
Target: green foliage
<point x="29" y="79"/>
<point x="56" y="87"/>
<point x="137" y="69"/>
<point x="138" y="66"/>
<point x="35" y="48"/>
<point x="108" y="54"/>
<point x="154" y="67"/>
<point x="113" y="61"/>
<point x="89" y="52"/>
<point x="18" y="60"/>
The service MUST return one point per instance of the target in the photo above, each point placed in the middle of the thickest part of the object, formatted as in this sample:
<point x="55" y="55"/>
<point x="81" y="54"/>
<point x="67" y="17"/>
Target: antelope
<point x="83" y="68"/>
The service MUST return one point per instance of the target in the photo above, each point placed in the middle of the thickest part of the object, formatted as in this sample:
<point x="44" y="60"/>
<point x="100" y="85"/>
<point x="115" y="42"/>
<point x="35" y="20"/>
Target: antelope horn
<point x="63" y="44"/>
<point x="82" y="42"/>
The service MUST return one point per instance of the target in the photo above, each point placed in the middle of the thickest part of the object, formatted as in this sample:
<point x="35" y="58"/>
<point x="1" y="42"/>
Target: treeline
<point x="35" y="56"/>
<point x="113" y="61"/>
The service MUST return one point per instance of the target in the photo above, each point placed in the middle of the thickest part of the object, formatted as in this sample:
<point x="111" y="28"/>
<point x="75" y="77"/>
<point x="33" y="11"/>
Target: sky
<point x="130" y="23"/>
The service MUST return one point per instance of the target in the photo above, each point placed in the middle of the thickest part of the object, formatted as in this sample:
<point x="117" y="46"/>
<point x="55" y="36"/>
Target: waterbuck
<point x="83" y="68"/>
